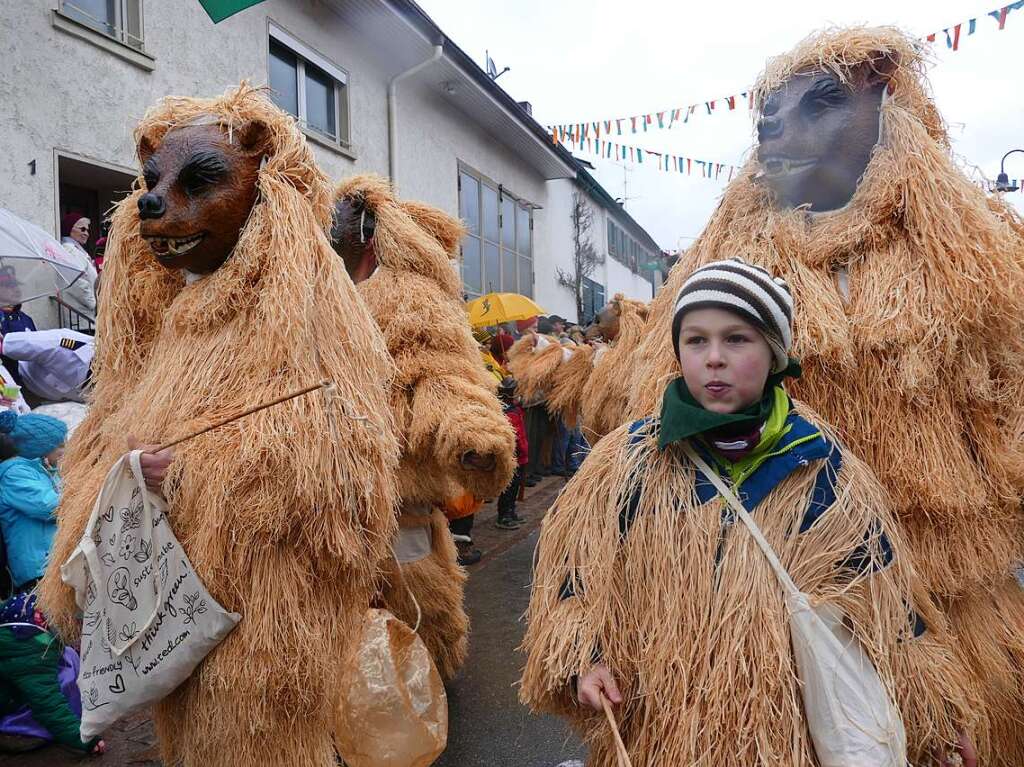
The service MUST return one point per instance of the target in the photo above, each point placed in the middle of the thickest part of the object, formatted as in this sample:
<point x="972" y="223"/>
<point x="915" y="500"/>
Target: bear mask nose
<point x="151" y="206"/>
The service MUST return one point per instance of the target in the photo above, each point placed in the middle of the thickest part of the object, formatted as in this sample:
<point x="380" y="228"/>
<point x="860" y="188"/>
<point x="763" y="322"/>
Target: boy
<point x="648" y="595"/>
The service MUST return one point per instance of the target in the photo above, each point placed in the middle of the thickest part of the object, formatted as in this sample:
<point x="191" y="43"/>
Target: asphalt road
<point x="488" y="726"/>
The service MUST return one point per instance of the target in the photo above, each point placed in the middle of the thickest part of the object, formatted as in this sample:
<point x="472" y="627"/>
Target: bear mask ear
<point x="146" y="148"/>
<point x="252" y="136"/>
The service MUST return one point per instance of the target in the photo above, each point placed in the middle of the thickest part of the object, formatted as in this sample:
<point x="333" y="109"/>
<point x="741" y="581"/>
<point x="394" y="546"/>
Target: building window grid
<point x="626" y="250"/>
<point x="123" y="19"/>
<point x="512" y="245"/>
<point x="338" y="109"/>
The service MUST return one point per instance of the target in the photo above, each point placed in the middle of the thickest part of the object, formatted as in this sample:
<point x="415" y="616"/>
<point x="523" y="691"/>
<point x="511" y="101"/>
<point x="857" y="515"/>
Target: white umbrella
<point x="32" y="263"/>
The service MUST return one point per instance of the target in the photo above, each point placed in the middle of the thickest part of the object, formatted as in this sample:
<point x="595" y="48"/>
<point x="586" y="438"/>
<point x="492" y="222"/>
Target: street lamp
<point x="1002" y="180"/>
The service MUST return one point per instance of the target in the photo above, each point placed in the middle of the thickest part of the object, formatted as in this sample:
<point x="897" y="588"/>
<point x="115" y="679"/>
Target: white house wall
<point x="51" y="107"/>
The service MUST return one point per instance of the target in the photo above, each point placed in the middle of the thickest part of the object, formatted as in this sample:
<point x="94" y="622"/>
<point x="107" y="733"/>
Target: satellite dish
<point x="492" y="68"/>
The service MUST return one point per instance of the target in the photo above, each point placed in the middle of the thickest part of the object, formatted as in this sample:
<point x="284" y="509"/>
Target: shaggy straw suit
<point x="443" y="401"/>
<point x="606" y="394"/>
<point x="921" y="367"/>
<point x="701" y="651"/>
<point x="286" y="514"/>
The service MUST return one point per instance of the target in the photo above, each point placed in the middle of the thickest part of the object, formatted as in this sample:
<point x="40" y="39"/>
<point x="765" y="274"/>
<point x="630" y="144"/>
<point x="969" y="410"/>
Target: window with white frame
<point x="497" y="251"/>
<point x="306" y="84"/>
<point x="119" y="19"/>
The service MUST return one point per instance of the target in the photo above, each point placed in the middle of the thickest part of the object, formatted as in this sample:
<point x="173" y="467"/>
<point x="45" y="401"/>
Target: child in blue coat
<point x="29" y="493"/>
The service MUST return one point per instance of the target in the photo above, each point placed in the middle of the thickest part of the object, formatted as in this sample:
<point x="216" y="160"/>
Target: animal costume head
<point x="287" y="513"/>
<point x="444" y="402"/>
<point x="911" y="292"/>
<point x="605" y="396"/>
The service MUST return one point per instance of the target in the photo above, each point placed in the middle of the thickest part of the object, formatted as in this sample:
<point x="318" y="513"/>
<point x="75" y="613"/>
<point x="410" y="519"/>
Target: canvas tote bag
<point x="851" y="719"/>
<point x="147" y="618"/>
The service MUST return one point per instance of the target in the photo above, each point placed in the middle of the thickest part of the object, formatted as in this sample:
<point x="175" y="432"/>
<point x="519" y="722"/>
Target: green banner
<point x="219" y="10"/>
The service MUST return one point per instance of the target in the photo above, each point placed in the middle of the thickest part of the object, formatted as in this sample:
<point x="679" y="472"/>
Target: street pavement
<point x="487" y="725"/>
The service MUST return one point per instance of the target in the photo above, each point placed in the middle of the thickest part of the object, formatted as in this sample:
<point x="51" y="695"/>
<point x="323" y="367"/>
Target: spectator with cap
<point x="54" y="365"/>
<point x="30" y="492"/>
<point x="526" y="326"/>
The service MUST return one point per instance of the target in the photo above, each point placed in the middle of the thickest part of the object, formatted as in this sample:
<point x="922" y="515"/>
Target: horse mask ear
<point x="877" y="70"/>
<point x="252" y="136"/>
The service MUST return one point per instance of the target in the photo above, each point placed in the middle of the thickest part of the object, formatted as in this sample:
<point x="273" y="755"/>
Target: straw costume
<point x="912" y="345"/>
<point x="285" y="514"/>
<point x="444" y="404"/>
<point x="568" y="382"/>
<point x="606" y="394"/>
<point x="640" y="567"/>
<point x="533" y="360"/>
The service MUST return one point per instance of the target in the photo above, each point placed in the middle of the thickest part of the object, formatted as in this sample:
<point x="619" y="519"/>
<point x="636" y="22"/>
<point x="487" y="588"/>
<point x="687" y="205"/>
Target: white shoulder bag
<point x="850" y="716"/>
<point x="148" y="620"/>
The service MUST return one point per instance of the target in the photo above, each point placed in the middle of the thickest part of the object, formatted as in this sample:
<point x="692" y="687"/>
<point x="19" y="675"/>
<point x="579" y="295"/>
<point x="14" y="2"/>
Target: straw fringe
<point x="437" y="583"/>
<point x="605" y="396"/>
<point x="534" y="370"/>
<point x="568" y="383"/>
<point x="443" y="400"/>
<point x="990" y="642"/>
<point x="931" y="335"/>
<point x="704" y="659"/>
<point x="286" y="513"/>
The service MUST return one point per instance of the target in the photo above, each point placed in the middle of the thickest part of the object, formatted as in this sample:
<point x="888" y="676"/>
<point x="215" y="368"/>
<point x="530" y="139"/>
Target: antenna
<point x="492" y="68"/>
<point x="626" y="170"/>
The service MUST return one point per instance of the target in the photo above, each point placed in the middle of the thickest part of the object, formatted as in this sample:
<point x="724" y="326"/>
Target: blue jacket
<point x="28" y="498"/>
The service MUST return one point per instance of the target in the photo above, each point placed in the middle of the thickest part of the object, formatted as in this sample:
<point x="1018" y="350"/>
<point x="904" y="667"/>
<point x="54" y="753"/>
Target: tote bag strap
<point x="755" y="531"/>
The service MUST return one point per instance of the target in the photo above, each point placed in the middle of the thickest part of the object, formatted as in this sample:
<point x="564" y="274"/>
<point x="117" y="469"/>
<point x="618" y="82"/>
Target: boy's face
<point x="725" y="360"/>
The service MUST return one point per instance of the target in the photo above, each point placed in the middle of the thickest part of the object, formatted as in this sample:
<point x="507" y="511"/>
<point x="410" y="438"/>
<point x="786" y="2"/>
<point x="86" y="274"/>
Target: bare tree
<point x="585" y="257"/>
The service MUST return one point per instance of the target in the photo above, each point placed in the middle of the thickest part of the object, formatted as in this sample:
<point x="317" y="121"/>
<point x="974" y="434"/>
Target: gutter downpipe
<point x="393" y="110"/>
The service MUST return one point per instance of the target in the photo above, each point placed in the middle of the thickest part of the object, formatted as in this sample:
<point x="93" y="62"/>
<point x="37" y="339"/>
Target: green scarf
<point x="683" y="417"/>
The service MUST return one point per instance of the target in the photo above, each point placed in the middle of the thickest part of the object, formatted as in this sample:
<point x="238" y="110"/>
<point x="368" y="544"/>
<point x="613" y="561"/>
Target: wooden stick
<point x="620" y="747"/>
<point x="249" y="411"/>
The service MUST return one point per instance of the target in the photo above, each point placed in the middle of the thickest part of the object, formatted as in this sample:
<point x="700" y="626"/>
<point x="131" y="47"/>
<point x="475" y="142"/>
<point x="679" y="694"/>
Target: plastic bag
<point x="148" y="620"/>
<point x="394" y="711"/>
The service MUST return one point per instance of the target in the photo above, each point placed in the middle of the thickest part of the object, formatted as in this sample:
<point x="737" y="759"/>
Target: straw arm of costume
<point x="450" y="409"/>
<point x="639" y="567"/>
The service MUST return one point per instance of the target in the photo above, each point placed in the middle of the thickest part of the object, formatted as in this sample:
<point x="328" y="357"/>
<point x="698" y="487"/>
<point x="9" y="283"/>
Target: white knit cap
<point x="747" y="290"/>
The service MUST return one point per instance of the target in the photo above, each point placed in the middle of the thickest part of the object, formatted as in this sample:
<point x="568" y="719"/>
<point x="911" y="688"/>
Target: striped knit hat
<point x="744" y="289"/>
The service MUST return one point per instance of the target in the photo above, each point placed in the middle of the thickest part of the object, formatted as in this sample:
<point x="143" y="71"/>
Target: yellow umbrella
<point x="496" y="308"/>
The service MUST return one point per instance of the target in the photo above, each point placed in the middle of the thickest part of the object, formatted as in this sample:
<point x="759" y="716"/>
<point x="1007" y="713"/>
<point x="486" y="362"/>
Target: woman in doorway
<point x="74" y="234"/>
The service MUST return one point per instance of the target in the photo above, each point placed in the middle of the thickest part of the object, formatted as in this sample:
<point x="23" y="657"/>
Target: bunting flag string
<point x="663" y="161"/>
<point x="675" y="116"/>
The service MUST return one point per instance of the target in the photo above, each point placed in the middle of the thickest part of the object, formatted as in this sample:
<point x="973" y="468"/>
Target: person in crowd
<point x="461" y="511"/>
<point x="39" y="697"/>
<point x="540" y="428"/>
<point x="16" y="403"/>
<point x="29" y="493"/>
<point x="14" y="320"/>
<point x="522" y="327"/>
<point x="99" y="253"/>
<point x="508" y="519"/>
<point x="54" y="365"/>
<point x="80" y="294"/>
<point x="498" y="348"/>
<point x="650" y="594"/>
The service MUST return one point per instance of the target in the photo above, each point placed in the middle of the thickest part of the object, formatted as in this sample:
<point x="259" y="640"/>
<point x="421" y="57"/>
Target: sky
<point x="601" y="59"/>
